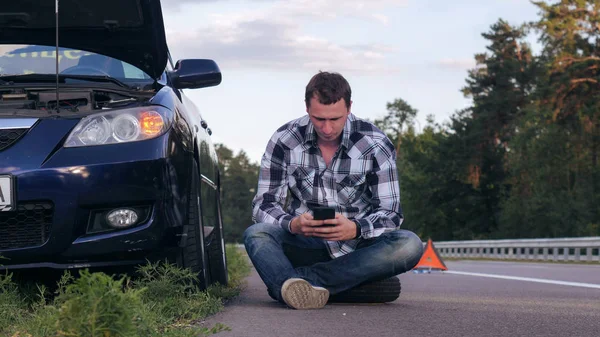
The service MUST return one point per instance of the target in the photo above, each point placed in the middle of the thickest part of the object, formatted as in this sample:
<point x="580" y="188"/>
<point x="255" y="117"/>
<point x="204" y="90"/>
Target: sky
<point x="267" y="50"/>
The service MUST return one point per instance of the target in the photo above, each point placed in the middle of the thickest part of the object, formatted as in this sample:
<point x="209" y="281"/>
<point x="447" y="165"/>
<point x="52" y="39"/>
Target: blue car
<point x="104" y="161"/>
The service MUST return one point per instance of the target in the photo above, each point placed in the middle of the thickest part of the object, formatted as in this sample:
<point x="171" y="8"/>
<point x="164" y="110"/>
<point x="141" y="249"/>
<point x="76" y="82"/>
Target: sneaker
<point x="299" y="294"/>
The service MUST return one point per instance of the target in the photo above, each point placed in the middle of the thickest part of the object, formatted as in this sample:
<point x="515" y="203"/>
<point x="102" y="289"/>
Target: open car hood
<point x="128" y="30"/>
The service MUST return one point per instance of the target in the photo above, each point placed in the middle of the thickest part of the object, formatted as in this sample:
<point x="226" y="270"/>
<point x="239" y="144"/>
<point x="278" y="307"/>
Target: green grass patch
<point x="161" y="300"/>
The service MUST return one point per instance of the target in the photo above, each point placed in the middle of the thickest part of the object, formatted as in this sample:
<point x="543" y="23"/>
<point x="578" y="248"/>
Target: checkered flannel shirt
<point x="361" y="182"/>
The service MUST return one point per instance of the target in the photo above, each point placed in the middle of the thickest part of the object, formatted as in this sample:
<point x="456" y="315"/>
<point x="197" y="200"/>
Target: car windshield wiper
<point x="6" y="79"/>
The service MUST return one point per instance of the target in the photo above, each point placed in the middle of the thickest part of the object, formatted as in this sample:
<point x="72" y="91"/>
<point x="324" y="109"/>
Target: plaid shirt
<point x="361" y="182"/>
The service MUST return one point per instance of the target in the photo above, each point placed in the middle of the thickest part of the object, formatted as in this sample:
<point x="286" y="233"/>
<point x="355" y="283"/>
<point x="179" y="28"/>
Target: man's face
<point x="329" y="120"/>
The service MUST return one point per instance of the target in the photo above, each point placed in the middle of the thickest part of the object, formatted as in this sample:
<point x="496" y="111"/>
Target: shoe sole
<point x="299" y="294"/>
<point x="383" y="291"/>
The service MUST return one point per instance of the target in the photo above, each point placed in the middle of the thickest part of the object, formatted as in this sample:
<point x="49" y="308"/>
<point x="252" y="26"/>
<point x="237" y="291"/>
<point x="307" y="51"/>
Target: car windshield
<point x="37" y="59"/>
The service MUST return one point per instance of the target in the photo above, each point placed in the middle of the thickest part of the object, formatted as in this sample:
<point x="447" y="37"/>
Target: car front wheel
<point x="193" y="254"/>
<point x="216" y="251"/>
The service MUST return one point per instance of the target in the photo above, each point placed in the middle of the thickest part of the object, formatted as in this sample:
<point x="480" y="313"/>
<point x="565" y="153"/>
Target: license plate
<point x="7" y="193"/>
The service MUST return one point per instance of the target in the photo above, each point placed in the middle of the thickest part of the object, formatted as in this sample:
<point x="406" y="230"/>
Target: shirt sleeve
<point x="267" y="206"/>
<point x="383" y="181"/>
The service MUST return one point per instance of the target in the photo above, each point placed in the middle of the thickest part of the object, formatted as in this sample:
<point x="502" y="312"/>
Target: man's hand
<point x="305" y="225"/>
<point x="340" y="229"/>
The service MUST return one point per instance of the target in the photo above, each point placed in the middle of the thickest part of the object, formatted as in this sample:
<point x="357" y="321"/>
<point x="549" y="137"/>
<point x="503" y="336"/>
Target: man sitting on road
<point x="328" y="158"/>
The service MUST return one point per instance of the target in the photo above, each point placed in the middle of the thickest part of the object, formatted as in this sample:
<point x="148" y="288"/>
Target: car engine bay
<point x="80" y="101"/>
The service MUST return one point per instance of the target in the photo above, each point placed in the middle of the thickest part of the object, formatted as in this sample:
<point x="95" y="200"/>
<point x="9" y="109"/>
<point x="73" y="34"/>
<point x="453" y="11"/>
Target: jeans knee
<point x="258" y="230"/>
<point x="414" y="247"/>
<point x="408" y="246"/>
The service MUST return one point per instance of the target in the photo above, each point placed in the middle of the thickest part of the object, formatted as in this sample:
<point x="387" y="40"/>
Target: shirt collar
<point x="310" y="136"/>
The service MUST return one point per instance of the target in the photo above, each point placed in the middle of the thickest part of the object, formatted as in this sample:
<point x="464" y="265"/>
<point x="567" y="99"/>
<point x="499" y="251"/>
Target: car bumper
<point x="56" y="205"/>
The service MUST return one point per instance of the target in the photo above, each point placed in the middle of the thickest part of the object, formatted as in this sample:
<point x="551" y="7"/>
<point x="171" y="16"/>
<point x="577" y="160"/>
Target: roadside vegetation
<point x="159" y="300"/>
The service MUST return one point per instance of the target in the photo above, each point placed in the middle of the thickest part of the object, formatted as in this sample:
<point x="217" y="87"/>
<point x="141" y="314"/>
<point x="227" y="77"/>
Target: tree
<point x="500" y="87"/>
<point x="554" y="155"/>
<point x="400" y="115"/>
<point x="239" y="177"/>
<point x="453" y="177"/>
<point x="570" y="32"/>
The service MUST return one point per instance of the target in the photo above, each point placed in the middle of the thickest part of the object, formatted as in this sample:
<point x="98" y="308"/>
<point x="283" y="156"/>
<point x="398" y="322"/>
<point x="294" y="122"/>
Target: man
<point x="328" y="158"/>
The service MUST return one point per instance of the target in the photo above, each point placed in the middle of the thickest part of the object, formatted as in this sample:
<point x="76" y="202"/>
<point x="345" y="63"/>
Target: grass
<point x="161" y="300"/>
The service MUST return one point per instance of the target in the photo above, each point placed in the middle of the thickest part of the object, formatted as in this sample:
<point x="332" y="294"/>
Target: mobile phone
<point x="323" y="213"/>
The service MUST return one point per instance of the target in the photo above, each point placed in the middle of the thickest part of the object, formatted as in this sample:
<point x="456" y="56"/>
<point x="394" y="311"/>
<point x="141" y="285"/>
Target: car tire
<point x="217" y="252"/>
<point x="193" y="254"/>
<point x="383" y="291"/>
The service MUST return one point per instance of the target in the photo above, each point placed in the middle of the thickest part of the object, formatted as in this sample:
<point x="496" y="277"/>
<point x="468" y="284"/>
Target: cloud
<point x="457" y="64"/>
<point x="331" y="9"/>
<point x="273" y="38"/>
<point x="277" y="45"/>
<point x="177" y="4"/>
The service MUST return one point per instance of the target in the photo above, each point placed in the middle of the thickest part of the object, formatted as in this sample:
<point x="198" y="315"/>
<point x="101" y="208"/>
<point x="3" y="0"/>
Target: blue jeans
<point x="278" y="255"/>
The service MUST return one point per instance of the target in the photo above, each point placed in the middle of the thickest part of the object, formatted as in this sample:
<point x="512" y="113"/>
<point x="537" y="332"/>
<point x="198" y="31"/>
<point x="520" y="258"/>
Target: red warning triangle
<point x="430" y="259"/>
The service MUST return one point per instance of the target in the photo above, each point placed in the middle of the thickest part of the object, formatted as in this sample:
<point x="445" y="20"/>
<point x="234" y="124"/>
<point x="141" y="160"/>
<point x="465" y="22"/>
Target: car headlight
<point x="120" y="126"/>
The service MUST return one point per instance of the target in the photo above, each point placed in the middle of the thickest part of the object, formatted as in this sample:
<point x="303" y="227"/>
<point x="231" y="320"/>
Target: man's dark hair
<point x="328" y="88"/>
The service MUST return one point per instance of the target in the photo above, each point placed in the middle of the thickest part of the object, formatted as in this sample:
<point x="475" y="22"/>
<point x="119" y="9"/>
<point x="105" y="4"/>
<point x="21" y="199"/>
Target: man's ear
<point x="350" y="107"/>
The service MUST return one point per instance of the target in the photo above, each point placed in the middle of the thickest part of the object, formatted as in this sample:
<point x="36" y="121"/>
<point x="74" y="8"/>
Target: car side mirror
<point x="195" y="73"/>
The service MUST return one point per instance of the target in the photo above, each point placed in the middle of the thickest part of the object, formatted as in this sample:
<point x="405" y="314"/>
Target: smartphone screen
<point x="323" y="213"/>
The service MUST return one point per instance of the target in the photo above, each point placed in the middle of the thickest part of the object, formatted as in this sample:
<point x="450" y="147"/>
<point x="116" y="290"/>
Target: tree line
<point x="520" y="162"/>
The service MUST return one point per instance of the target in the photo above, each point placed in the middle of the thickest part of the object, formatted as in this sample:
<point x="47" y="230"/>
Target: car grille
<point x="10" y="136"/>
<point x="28" y="226"/>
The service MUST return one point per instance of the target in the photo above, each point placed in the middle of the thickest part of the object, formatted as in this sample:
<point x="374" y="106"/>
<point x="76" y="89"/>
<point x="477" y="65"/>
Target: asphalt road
<point x="541" y="300"/>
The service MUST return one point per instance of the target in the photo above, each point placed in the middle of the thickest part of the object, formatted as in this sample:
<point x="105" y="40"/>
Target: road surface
<point x="474" y="298"/>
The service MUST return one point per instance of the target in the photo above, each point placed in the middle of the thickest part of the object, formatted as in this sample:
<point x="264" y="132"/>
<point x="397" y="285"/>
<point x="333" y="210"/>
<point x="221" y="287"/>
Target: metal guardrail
<point x="562" y="249"/>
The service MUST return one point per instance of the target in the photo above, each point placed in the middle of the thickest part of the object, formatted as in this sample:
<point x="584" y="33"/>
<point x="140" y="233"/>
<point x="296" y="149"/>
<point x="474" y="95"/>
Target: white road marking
<point x="527" y="279"/>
